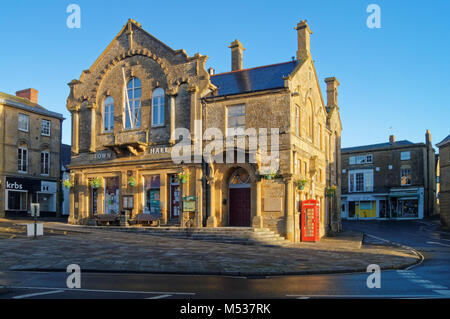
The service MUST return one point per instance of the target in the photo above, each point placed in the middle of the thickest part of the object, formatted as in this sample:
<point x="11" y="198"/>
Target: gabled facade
<point x="120" y="137"/>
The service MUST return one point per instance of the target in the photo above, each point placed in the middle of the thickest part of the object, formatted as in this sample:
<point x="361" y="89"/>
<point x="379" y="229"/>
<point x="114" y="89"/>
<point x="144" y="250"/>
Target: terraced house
<point x="30" y="147"/>
<point x="127" y="106"/>
<point x="393" y="180"/>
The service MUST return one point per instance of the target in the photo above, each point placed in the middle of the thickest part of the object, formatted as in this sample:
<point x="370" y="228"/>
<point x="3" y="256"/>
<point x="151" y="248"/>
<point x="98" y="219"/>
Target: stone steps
<point x="231" y="235"/>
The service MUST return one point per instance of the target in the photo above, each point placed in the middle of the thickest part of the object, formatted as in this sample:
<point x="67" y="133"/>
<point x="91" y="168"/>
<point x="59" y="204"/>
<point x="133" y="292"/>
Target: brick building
<point x="395" y="180"/>
<point x="30" y="141"/>
<point x="444" y="181"/>
<point x="128" y="149"/>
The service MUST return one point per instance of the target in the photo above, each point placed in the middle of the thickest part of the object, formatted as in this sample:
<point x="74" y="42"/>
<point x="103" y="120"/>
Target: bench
<point x="146" y="219"/>
<point x="107" y="219"/>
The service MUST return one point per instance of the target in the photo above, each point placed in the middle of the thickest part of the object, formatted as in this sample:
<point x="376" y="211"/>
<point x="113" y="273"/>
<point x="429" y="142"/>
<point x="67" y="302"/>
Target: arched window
<point x="132" y="105"/>
<point x="108" y="114"/>
<point x="158" y="107"/>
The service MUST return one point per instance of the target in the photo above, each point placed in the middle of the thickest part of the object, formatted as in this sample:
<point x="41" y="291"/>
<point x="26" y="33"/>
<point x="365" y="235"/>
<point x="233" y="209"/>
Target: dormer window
<point x="132" y="105"/>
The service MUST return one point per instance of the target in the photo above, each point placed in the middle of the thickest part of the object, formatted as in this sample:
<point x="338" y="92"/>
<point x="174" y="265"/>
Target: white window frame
<point x="45" y="166"/>
<point x="108" y="114"/>
<point x="361" y="159"/>
<point x="43" y="128"/>
<point x="136" y="111"/>
<point x="24" y="116"/>
<point x="234" y="130"/>
<point x="22" y="160"/>
<point x="158" y="107"/>
<point x="405" y="156"/>
<point x="368" y="181"/>
<point x="7" y="199"/>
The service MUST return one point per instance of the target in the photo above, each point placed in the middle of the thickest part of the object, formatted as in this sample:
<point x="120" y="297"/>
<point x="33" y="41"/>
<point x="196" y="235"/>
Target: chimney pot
<point x="30" y="94"/>
<point x="391" y="139"/>
<point x="211" y="71"/>
<point x="237" y="55"/>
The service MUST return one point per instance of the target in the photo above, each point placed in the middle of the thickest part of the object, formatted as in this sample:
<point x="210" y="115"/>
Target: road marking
<point x="110" y="291"/>
<point x="38" y="294"/>
<point x="443" y="292"/>
<point x="435" y="242"/>
<point x="304" y="297"/>
<point x="433" y="286"/>
<point x="159" y="297"/>
<point x="421" y="281"/>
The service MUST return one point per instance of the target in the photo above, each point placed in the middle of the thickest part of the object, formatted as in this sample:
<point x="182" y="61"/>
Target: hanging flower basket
<point x="183" y="177"/>
<point x="67" y="184"/>
<point x="96" y="182"/>
<point x="331" y="191"/>
<point x="270" y="175"/>
<point x="131" y="181"/>
<point x="301" y="184"/>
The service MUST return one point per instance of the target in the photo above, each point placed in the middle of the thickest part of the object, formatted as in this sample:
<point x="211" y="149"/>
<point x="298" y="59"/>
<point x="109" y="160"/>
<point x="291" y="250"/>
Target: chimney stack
<point x="332" y="91"/>
<point x="391" y="139"/>
<point x="237" y="55"/>
<point x="428" y="137"/>
<point x="30" y="94"/>
<point x="304" y="47"/>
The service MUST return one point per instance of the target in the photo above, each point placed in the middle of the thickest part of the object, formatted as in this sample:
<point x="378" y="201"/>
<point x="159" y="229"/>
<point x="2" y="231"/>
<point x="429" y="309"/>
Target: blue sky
<point x="394" y="80"/>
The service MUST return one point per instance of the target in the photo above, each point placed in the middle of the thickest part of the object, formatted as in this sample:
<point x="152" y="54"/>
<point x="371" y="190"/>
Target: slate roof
<point x="250" y="80"/>
<point x="376" y="146"/>
<point x="444" y="141"/>
<point x="27" y="105"/>
<point x="65" y="154"/>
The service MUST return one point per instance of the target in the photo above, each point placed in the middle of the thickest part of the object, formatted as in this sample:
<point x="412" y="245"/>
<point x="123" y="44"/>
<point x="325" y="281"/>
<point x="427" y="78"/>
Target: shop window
<point x="108" y="114"/>
<point x="45" y="127"/>
<point x="22" y="159"/>
<point x="132" y="105"/>
<point x="158" y="107"/>
<point x="111" y="195"/>
<point x="407" y="208"/>
<point x="23" y="122"/>
<point x="235" y="120"/>
<point x="17" y="201"/>
<point x="405" y="174"/>
<point x="152" y="194"/>
<point x="45" y="163"/>
<point x="47" y="202"/>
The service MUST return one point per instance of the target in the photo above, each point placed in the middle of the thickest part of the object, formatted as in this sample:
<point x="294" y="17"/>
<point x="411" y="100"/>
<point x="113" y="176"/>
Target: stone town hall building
<point x="117" y="139"/>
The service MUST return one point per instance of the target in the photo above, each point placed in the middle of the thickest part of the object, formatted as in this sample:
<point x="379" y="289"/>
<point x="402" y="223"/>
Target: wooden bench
<point x="107" y="219"/>
<point x="146" y="219"/>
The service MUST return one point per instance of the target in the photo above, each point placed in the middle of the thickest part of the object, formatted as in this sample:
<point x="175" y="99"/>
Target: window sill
<point x="25" y="131"/>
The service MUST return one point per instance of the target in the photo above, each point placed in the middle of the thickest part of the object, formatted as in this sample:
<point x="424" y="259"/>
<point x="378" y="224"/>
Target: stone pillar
<point x="75" y="130"/>
<point x="2" y="199"/>
<point x="257" y="221"/>
<point x="185" y="188"/>
<point x="198" y="220"/>
<point x="163" y="198"/>
<point x="172" y="119"/>
<point x="212" y="219"/>
<point x="93" y="108"/>
<point x="289" y="209"/>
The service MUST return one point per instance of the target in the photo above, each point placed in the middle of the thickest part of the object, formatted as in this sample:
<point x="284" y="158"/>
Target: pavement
<point x="96" y="250"/>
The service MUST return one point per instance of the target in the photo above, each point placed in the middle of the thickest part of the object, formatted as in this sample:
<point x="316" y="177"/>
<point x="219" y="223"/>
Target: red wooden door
<point x="240" y="211"/>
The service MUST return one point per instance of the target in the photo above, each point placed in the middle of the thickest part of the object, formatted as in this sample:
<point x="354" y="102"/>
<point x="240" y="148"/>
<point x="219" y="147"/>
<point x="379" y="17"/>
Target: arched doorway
<point x="239" y="196"/>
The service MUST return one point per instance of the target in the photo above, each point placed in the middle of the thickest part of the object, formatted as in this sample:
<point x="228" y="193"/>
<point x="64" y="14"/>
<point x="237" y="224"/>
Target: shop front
<point x="21" y="192"/>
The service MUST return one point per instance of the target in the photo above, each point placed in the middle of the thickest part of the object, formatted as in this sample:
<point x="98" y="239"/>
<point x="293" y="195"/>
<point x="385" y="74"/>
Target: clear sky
<point x="394" y="80"/>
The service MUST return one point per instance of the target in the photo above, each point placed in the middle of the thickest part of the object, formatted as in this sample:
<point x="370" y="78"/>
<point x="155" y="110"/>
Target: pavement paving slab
<point x="107" y="250"/>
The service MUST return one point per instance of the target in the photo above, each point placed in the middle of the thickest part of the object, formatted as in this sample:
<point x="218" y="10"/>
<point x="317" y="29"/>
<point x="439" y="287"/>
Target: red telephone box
<point x="310" y="220"/>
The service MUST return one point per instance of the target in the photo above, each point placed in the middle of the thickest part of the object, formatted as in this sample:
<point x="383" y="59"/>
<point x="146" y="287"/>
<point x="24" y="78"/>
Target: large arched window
<point x="132" y="105"/>
<point x="108" y="114"/>
<point x="158" y="107"/>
